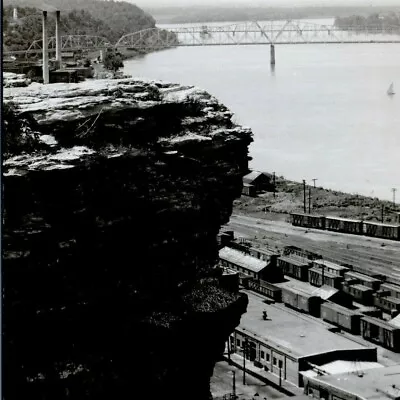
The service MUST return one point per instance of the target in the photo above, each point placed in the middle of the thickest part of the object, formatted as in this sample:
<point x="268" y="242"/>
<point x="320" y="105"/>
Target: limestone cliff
<point x="110" y="224"/>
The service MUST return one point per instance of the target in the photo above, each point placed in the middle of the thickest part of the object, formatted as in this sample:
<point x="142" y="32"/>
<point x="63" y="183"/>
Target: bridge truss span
<point x="70" y="43"/>
<point x="257" y="33"/>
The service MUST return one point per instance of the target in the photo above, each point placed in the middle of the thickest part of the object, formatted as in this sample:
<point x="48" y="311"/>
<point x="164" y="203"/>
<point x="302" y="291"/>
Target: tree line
<point x="375" y="21"/>
<point x="78" y="17"/>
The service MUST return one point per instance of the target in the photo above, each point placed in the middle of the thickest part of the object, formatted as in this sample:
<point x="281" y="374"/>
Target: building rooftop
<point x="295" y="334"/>
<point x="395" y="321"/>
<point x="380" y="322"/>
<point x="342" y="366"/>
<point x="249" y="178"/>
<point x="241" y="259"/>
<point x="375" y="383"/>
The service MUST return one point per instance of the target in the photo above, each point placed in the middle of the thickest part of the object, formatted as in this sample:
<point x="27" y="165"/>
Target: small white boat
<point x="390" y="91"/>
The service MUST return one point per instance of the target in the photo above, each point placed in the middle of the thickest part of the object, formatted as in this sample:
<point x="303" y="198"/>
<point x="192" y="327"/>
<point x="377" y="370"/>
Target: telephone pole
<point x="309" y="200"/>
<point x="274" y="183"/>
<point x="394" y="197"/>
<point x="244" y="361"/>
<point x="304" y="190"/>
<point x="314" y="179"/>
<point x="234" y="384"/>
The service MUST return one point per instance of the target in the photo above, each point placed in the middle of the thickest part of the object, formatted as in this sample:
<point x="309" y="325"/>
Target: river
<point x="323" y="112"/>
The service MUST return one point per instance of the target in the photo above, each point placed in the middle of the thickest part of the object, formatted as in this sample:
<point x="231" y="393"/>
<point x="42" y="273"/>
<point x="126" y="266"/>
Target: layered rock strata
<point x="110" y="224"/>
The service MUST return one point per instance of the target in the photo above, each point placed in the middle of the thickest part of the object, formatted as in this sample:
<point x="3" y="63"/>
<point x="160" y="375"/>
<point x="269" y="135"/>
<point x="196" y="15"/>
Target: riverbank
<point x="289" y="197"/>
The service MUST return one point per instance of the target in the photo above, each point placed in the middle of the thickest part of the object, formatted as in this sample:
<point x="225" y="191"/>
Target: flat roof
<point x="331" y="264"/>
<point x="242" y="259"/>
<point x="324" y="291"/>
<point x="295" y="261"/>
<point x="376" y="383"/>
<point x="360" y="276"/>
<point x="291" y="332"/>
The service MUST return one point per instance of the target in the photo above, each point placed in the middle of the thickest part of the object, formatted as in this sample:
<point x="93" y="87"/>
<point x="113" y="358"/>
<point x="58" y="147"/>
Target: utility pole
<point x="394" y="197"/>
<point x="244" y="361"/>
<point x="45" y="62"/>
<point x="234" y="384"/>
<point x="309" y="200"/>
<point x="382" y="213"/>
<point x="274" y="184"/>
<point x="304" y="190"/>
<point x="314" y="179"/>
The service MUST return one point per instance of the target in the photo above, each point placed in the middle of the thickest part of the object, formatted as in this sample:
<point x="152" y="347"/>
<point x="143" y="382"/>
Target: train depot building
<point x="287" y="344"/>
<point x="365" y="383"/>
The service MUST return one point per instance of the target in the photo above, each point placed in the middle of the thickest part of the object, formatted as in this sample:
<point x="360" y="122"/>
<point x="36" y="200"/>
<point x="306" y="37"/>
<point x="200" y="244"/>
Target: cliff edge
<point x="114" y="192"/>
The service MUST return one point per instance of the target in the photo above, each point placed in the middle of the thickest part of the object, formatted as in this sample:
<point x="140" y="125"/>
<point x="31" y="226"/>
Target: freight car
<point x="302" y="301"/>
<point x="294" y="267"/>
<point x="360" y="293"/>
<point x="394" y="290"/>
<point x="343" y="225"/>
<point x="318" y="277"/>
<point x="384" y="231"/>
<point x="266" y="289"/>
<point x="294" y="251"/>
<point x="341" y="316"/>
<point x="383" y="300"/>
<point x="381" y="332"/>
<point x="363" y="279"/>
<point x="308" y="220"/>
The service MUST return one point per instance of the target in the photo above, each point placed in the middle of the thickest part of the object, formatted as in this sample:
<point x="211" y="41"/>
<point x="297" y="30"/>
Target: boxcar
<point x="294" y="251"/>
<point x="341" y="316"/>
<point x="343" y="225"/>
<point x="381" y="332"/>
<point x="363" y="279"/>
<point x="393" y="289"/>
<point x="386" y="303"/>
<point x="308" y="220"/>
<point x="302" y="301"/>
<point x="331" y="267"/>
<point x="379" y="230"/>
<point x="318" y="277"/>
<point x="294" y="267"/>
<point x="360" y="293"/>
<point x="265" y="288"/>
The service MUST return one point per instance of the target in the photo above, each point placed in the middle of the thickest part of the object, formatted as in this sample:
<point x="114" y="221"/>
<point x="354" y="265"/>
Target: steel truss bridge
<point x="247" y="33"/>
<point x="256" y="33"/>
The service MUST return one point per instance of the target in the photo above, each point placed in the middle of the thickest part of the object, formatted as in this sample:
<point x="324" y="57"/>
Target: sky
<point x="272" y="3"/>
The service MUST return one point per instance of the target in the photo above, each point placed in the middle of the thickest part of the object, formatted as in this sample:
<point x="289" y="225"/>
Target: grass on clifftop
<point x="289" y="198"/>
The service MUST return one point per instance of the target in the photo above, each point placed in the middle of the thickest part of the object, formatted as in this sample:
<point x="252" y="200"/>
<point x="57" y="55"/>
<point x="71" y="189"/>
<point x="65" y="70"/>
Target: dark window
<point x="280" y="364"/>
<point x="268" y="357"/>
<point x="262" y="355"/>
<point x="274" y="362"/>
<point x="238" y="342"/>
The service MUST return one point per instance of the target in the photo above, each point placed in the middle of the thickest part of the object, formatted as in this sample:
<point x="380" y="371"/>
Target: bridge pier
<point x="58" y="40"/>
<point x="45" y="65"/>
<point x="272" y="54"/>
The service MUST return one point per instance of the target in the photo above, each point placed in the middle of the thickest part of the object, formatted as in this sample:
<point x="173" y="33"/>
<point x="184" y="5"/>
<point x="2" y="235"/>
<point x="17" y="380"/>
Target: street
<point x="222" y="384"/>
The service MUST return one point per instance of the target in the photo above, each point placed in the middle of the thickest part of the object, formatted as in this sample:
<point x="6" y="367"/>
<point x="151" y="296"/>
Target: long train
<point x="344" y="225"/>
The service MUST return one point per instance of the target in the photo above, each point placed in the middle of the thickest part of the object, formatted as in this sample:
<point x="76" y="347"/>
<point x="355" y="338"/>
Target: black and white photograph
<point x="200" y="200"/>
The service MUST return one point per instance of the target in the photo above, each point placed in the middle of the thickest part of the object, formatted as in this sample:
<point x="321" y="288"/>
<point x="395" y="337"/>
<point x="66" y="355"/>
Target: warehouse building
<point x="287" y="344"/>
<point x="256" y="182"/>
<point x="366" y="383"/>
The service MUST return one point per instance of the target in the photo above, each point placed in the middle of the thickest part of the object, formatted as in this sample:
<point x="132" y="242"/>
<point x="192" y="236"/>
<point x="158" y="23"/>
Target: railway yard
<point x="368" y="255"/>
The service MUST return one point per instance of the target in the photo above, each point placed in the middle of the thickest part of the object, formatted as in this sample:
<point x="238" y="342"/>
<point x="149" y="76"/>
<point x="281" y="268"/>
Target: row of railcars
<point x="345" y="225"/>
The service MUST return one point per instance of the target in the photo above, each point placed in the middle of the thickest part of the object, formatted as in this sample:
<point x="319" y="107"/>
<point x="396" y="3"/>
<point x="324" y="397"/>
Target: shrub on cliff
<point x="19" y="134"/>
<point x="113" y="61"/>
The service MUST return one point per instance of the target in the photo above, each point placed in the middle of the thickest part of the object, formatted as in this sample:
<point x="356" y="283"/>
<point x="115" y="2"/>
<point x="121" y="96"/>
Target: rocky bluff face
<point x="110" y="224"/>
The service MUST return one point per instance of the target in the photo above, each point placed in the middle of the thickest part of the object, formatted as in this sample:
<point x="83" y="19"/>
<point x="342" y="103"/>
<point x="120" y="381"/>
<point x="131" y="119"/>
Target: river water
<point x="323" y="112"/>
